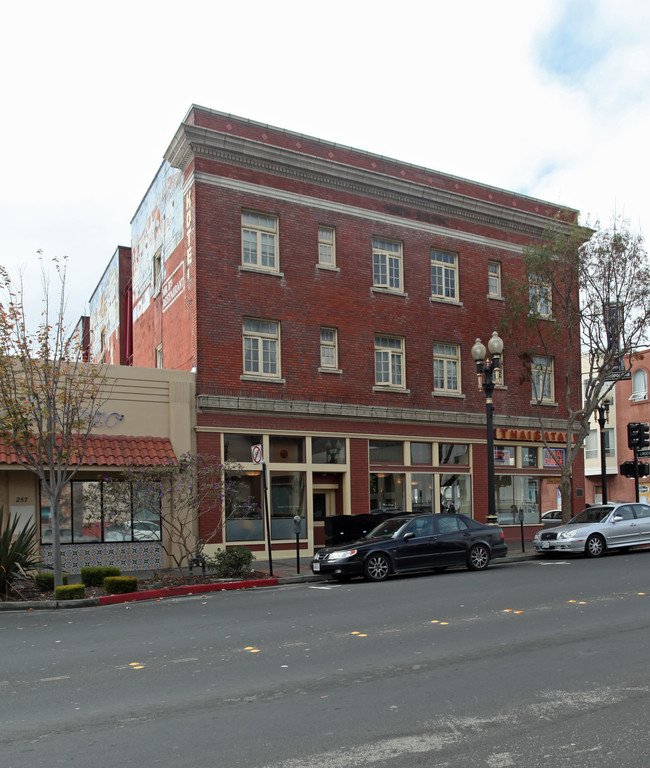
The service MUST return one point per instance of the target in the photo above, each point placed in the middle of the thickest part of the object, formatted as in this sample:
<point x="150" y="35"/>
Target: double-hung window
<point x="446" y="368"/>
<point x="387" y="264"/>
<point x="328" y="349"/>
<point x="541" y="374"/>
<point x="494" y="279"/>
<point x="261" y="348"/>
<point x="639" y="385"/>
<point x="444" y="275"/>
<point x="326" y="247"/>
<point x="539" y="294"/>
<point x="389" y="361"/>
<point x="157" y="272"/>
<point x="259" y="241"/>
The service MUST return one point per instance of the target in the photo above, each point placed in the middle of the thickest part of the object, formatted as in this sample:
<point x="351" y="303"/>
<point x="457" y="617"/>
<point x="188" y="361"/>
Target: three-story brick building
<point x="327" y="300"/>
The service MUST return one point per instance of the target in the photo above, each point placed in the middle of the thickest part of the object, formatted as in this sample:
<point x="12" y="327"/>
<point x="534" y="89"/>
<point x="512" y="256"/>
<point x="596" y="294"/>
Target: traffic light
<point x="644" y="435"/>
<point x="627" y="469"/>
<point x="634" y="435"/>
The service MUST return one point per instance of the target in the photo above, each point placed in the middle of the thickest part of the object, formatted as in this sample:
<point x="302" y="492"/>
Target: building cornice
<point x="192" y="142"/>
<point x="308" y="408"/>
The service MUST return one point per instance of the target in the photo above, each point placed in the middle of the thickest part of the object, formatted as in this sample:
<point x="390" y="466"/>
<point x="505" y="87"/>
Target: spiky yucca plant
<point x="18" y="551"/>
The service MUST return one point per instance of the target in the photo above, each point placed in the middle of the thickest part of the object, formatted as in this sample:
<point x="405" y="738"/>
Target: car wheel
<point x="595" y="546"/>
<point x="376" y="567"/>
<point x="478" y="558"/>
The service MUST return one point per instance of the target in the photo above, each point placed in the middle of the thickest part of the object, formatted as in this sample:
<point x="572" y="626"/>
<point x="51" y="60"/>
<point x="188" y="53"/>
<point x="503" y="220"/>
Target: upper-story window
<point x="539" y="294"/>
<point x="326" y="247"/>
<point x="157" y="272"/>
<point x="387" y="264"/>
<point x="259" y="241"/>
<point x="444" y="275"/>
<point x="541" y="373"/>
<point x="446" y="368"/>
<point x="261" y="348"/>
<point x="639" y="385"/>
<point x="329" y="358"/>
<point x="389" y="361"/>
<point x="494" y="279"/>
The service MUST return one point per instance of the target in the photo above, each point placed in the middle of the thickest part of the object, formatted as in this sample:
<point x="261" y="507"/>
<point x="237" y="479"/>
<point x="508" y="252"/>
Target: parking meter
<point x="297" y="521"/>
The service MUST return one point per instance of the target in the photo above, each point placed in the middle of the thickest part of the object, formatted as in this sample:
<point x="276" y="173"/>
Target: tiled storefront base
<point x="136" y="556"/>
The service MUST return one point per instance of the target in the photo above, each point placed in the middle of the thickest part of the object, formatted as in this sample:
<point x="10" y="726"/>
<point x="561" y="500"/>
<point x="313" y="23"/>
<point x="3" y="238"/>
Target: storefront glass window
<point x="86" y="512"/>
<point x="387" y="491"/>
<point x="455" y="494"/>
<point x="452" y="453"/>
<point x="244" y="517"/>
<point x="505" y="455"/>
<point x="529" y="456"/>
<point x="386" y="451"/>
<point x="515" y="494"/>
<point x="327" y="450"/>
<point x="420" y="453"/>
<point x="287" y="450"/>
<point x="65" y="517"/>
<point x="94" y="511"/>
<point x="287" y="500"/>
<point x="422" y="492"/>
<point x="238" y="447"/>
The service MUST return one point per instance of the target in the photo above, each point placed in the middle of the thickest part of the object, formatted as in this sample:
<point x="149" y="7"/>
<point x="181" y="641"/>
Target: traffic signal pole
<point x="638" y="439"/>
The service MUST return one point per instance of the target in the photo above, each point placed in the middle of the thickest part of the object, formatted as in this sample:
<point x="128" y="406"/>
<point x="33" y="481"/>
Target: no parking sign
<point x="256" y="452"/>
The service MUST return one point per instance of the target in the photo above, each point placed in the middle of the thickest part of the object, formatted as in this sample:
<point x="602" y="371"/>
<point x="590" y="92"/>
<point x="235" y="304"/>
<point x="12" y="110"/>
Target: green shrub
<point x="120" y="585"/>
<point x="93" y="576"/>
<point x="45" y="581"/>
<point x="231" y="563"/>
<point x="70" y="592"/>
<point x="19" y="551"/>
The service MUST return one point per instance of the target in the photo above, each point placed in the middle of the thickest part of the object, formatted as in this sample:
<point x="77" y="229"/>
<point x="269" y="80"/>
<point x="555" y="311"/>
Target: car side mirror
<point x="408" y="536"/>
<point x="617" y="519"/>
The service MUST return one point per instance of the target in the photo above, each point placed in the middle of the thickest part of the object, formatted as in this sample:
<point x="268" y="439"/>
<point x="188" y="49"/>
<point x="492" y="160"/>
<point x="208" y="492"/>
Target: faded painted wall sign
<point x="173" y="287"/>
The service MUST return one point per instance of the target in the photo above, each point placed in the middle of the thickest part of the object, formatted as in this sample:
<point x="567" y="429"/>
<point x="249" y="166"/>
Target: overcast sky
<point x="548" y="99"/>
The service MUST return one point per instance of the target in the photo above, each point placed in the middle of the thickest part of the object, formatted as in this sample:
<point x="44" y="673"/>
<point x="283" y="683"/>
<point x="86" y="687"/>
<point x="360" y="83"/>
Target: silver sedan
<point x="597" y="529"/>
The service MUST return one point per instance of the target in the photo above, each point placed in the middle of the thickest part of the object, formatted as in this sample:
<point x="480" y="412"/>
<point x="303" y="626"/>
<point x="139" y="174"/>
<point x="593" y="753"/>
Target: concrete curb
<point x="193" y="589"/>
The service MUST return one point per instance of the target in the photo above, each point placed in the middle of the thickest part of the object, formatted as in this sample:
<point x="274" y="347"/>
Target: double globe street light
<point x="486" y="379"/>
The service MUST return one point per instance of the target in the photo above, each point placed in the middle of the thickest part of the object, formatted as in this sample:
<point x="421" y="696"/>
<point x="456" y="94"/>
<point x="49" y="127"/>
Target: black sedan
<point x="414" y="543"/>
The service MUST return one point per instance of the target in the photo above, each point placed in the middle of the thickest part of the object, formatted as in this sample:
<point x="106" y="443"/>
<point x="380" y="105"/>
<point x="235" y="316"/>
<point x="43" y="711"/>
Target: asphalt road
<point x="541" y="663"/>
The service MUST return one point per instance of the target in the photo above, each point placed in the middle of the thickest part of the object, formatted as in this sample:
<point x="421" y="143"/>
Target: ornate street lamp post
<point x="601" y="414"/>
<point x="485" y="373"/>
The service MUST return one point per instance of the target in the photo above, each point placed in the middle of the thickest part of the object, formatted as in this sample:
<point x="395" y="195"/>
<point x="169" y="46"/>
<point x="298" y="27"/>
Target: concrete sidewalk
<point x="279" y="571"/>
<point x="287" y="569"/>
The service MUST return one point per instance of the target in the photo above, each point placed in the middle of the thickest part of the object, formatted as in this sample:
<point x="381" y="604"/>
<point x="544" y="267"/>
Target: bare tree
<point x="583" y="295"/>
<point x="49" y="398"/>
<point x="178" y="495"/>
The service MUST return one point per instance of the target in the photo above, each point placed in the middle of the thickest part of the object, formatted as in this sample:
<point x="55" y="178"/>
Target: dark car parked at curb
<point x="414" y="543"/>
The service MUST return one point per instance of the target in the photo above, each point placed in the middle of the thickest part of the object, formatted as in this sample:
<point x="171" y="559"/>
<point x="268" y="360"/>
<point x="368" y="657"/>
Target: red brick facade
<point x="191" y="316"/>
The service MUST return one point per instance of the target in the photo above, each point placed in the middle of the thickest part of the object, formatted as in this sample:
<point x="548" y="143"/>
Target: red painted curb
<point x="190" y="589"/>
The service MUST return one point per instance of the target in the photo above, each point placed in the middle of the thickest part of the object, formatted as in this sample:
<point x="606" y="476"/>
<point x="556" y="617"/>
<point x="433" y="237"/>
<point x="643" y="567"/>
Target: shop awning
<point x="115" y="451"/>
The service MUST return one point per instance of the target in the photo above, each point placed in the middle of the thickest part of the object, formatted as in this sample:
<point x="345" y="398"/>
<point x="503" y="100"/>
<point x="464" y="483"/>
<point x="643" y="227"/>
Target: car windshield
<point x="592" y="515"/>
<point x="387" y="528"/>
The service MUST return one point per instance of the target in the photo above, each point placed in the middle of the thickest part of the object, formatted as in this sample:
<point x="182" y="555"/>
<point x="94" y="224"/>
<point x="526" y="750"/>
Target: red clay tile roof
<point x="115" y="451"/>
